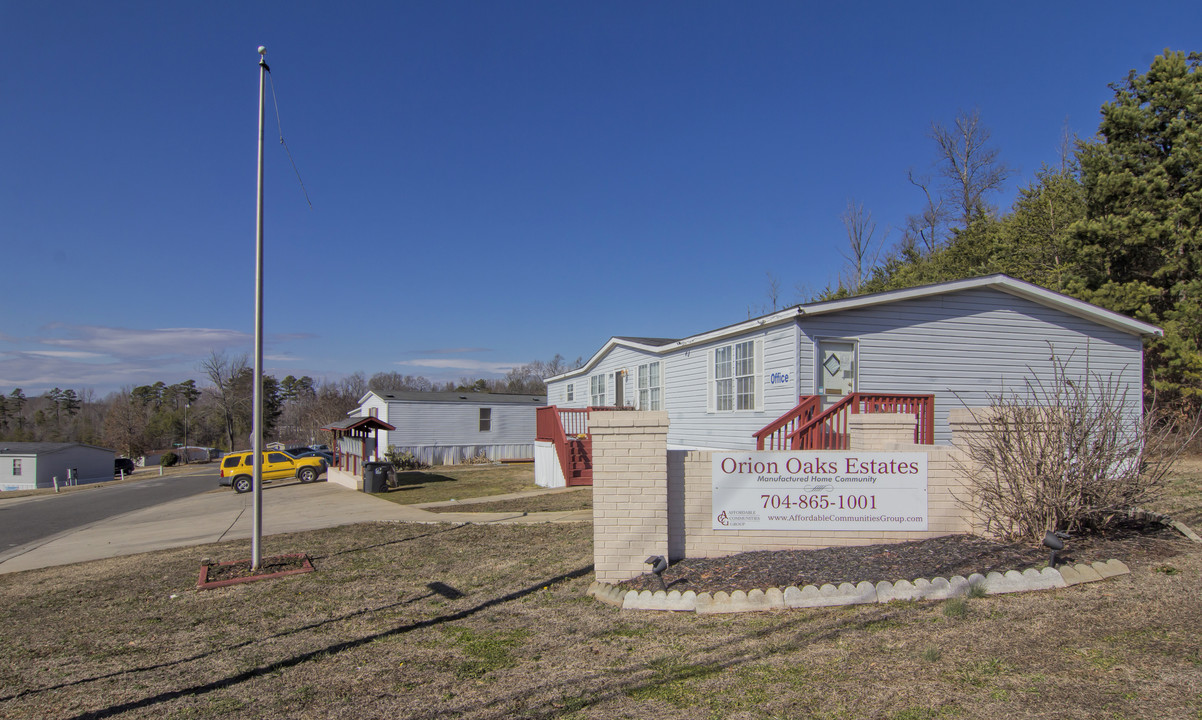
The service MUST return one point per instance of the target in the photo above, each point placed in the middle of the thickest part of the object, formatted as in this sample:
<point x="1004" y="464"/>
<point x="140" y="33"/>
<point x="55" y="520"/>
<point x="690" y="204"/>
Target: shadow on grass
<point x="414" y="480"/>
<point x="436" y="588"/>
<point x="440" y="531"/>
<point x="421" y="478"/>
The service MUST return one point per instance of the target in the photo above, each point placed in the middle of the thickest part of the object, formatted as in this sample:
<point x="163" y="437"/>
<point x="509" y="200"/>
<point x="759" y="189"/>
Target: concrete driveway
<point x="224" y="515"/>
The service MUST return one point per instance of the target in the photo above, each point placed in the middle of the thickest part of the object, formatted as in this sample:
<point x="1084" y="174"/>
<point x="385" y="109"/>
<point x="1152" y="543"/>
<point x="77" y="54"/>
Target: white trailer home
<point x="32" y="465"/>
<point x="789" y="379"/>
<point x="445" y="428"/>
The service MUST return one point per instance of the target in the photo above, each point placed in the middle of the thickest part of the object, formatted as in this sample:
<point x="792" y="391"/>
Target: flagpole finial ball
<point x="262" y="50"/>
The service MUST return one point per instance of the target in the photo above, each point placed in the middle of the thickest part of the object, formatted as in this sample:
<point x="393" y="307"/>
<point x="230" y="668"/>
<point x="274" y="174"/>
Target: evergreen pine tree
<point x="1138" y="248"/>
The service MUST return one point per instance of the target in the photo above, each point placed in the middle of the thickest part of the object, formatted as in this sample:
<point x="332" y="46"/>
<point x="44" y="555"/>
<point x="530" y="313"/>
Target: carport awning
<point x="358" y="423"/>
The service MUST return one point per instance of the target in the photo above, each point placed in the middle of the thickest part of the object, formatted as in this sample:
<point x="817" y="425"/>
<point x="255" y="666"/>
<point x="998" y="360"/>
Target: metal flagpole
<point x="257" y="416"/>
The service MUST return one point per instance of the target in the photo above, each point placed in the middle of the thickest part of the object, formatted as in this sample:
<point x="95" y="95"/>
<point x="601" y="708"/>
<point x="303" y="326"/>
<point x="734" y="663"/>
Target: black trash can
<point x="375" y="476"/>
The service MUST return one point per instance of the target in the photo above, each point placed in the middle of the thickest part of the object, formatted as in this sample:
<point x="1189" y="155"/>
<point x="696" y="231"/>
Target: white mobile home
<point x="32" y="465"/>
<point x="444" y="428"/>
<point x="926" y="350"/>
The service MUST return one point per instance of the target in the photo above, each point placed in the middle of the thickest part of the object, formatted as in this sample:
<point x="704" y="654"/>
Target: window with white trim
<point x="650" y="386"/>
<point x="597" y="391"/>
<point x="735" y="374"/>
<point x="724" y="388"/>
<point x="745" y="380"/>
<point x="571" y="392"/>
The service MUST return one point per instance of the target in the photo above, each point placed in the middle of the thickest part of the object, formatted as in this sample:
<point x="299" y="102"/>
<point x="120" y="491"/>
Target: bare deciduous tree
<point x="773" y="291"/>
<point x="862" y="251"/>
<point x="970" y="167"/>
<point x="224" y="373"/>
<point x="926" y="230"/>
<point x="124" y="426"/>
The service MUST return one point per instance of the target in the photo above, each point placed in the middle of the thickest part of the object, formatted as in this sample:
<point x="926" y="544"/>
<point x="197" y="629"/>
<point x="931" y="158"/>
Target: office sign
<point x="822" y="490"/>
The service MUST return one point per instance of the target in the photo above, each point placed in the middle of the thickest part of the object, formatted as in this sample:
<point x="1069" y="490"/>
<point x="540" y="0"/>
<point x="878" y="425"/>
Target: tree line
<point x="159" y="416"/>
<point x="1115" y="221"/>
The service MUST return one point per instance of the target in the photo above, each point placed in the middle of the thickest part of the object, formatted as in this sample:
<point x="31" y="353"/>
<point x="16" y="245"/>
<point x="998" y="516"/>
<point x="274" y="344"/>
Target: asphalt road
<point x="29" y="519"/>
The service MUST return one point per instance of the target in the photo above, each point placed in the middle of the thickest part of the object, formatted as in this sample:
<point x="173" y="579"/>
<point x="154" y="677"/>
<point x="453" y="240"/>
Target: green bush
<point x="169" y="459"/>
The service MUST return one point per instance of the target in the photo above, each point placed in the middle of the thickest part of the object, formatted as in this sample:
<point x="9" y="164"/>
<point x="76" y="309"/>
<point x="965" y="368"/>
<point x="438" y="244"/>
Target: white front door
<point x="836" y="369"/>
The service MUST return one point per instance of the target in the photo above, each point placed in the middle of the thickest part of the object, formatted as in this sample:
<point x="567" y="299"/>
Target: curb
<point x="792" y="597"/>
<point x="1180" y="527"/>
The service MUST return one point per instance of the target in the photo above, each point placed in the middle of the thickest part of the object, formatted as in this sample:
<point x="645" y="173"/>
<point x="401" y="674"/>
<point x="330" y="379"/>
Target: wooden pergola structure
<point x="354" y="438"/>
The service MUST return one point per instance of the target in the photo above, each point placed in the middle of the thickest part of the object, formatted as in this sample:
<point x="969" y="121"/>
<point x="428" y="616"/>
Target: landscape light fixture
<point x="1055" y="542"/>
<point x="658" y="564"/>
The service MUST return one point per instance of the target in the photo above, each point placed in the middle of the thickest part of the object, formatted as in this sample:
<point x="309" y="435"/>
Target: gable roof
<point x="359" y="423"/>
<point x="43" y="448"/>
<point x="477" y="398"/>
<point x="1001" y="282"/>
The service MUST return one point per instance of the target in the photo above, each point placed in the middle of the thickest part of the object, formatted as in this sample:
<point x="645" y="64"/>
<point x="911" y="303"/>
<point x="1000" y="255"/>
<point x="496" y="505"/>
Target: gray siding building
<point x="32" y="465"/>
<point x="962" y="342"/>
<point x="445" y="428"/>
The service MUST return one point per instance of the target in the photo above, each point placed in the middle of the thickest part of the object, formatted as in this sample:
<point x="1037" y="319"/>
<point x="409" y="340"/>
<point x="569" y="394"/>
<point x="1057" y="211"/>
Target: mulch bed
<point x="1130" y="541"/>
<point x="214" y="575"/>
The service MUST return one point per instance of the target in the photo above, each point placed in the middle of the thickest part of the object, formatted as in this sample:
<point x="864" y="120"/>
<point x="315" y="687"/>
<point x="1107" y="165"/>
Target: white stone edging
<point x="1165" y="519"/>
<point x="810" y="596"/>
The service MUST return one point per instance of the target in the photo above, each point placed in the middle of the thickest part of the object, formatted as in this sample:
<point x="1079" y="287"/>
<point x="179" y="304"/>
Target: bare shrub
<point x="402" y="460"/>
<point x="1071" y="454"/>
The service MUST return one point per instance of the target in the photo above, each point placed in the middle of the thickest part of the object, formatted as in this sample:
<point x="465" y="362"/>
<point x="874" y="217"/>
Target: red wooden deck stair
<point x="567" y="429"/>
<point x="806" y="428"/>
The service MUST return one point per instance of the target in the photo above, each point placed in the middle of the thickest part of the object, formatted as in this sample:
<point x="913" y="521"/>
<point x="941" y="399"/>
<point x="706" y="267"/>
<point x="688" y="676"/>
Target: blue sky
<point x="492" y="182"/>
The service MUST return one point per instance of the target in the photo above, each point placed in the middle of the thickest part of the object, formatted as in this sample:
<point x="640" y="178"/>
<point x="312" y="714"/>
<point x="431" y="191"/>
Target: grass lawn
<point x="491" y="621"/>
<point x="577" y="499"/>
<point x="456" y="482"/>
<point x="1183" y="493"/>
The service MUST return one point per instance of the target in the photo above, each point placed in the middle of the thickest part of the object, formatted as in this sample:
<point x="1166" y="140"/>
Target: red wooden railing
<point x="549" y="428"/>
<point x="827" y="430"/>
<point x="777" y="434"/>
<point x="567" y="429"/>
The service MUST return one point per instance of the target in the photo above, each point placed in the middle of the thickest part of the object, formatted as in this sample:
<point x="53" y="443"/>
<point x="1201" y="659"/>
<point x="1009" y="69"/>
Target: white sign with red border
<point x="821" y="490"/>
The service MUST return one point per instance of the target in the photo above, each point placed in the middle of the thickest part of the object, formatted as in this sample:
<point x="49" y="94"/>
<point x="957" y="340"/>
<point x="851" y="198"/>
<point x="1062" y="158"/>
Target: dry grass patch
<point x="579" y="499"/>
<point x="1182" y="499"/>
<point x="456" y="482"/>
<point x="448" y="621"/>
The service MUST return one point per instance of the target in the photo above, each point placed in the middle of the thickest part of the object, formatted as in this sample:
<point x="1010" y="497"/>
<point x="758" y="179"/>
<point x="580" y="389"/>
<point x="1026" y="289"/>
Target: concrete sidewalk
<point x="224" y="515"/>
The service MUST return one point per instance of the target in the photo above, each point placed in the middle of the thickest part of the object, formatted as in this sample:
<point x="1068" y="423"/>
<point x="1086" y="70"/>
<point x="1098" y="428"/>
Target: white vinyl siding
<point x="960" y="346"/>
<point x="965" y="347"/>
<point x="619" y="364"/>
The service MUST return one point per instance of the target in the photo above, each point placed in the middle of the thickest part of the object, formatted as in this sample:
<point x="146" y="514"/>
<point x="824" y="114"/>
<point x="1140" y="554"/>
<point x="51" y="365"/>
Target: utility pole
<point x="257" y="414"/>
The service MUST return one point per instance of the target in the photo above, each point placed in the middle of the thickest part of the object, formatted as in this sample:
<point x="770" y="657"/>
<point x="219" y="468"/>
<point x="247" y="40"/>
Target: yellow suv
<point x="237" y="468"/>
